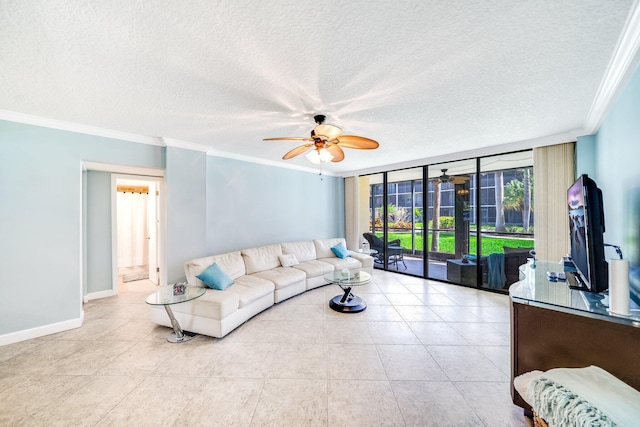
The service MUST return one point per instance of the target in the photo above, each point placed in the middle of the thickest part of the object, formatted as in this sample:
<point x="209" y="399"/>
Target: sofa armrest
<point x="360" y="256"/>
<point x="365" y="260"/>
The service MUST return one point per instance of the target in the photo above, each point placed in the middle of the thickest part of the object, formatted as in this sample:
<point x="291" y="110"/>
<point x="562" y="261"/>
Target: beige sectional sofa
<point x="259" y="281"/>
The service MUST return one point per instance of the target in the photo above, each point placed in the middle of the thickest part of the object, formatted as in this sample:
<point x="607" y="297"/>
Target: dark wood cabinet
<point x="553" y="326"/>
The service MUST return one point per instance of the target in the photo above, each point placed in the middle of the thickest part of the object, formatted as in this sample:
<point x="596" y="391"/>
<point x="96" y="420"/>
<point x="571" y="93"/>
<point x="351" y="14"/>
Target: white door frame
<point x="137" y="173"/>
<point x="153" y="225"/>
<point x="114" y="224"/>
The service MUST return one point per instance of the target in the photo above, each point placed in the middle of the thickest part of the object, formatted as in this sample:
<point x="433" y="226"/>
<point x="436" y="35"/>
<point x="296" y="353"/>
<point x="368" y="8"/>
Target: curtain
<point x="133" y="247"/>
<point x="356" y="204"/>
<point x="351" y="212"/>
<point x="554" y="173"/>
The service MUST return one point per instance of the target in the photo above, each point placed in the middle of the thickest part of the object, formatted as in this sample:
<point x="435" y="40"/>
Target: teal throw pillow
<point x="215" y="278"/>
<point x="340" y="250"/>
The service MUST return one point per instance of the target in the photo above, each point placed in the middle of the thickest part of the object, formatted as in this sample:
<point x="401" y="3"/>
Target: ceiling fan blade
<point x="460" y="179"/>
<point x="359" y="142"/>
<point x="296" y="151"/>
<point x="288" y="138"/>
<point x="329" y="131"/>
<point x="336" y="152"/>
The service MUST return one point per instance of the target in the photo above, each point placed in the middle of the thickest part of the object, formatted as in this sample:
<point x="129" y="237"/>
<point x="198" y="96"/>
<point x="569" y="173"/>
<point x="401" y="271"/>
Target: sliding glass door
<point x="376" y="234"/>
<point x="451" y="242"/>
<point x="404" y="220"/>
<point x="468" y="222"/>
<point x="506" y="217"/>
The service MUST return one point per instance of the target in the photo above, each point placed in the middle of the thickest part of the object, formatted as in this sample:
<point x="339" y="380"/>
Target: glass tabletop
<point x="165" y="296"/>
<point x="536" y="288"/>
<point x="353" y="278"/>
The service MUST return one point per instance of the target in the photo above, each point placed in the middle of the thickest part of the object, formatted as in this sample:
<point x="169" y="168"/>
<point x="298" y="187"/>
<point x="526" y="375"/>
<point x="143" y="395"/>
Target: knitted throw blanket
<point x="559" y="406"/>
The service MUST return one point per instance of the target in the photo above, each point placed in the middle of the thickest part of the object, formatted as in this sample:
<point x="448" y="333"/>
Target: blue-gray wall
<point x="40" y="218"/>
<point x="212" y="205"/>
<point x="611" y="157"/>
<point x="98" y="232"/>
<point x="251" y="205"/>
<point x="186" y="177"/>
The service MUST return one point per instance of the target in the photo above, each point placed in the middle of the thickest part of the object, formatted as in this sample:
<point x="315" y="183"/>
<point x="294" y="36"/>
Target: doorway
<point x="135" y="228"/>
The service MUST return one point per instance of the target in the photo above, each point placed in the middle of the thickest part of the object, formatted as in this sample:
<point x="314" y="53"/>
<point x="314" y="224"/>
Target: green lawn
<point x="447" y="242"/>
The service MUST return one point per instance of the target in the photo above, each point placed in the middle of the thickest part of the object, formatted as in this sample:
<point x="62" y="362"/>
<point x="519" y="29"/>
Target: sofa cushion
<point x="250" y="288"/>
<point x="315" y="268"/>
<point x="282" y="277"/>
<point x="262" y="258"/>
<point x="215" y="278"/>
<point x="304" y="251"/>
<point x="288" y="260"/>
<point x="231" y="263"/>
<point x="323" y="247"/>
<point x="340" y="250"/>
<point x="340" y="263"/>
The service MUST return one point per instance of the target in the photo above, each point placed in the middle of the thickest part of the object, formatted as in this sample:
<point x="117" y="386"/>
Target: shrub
<point x="378" y="223"/>
<point x="446" y="222"/>
<point x="402" y="224"/>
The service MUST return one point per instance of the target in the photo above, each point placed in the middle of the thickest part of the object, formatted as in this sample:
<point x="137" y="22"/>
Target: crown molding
<point x="623" y="63"/>
<point x="493" y="150"/>
<point x="250" y="159"/>
<point x="170" y="142"/>
<point x="150" y="140"/>
<point x="78" y="128"/>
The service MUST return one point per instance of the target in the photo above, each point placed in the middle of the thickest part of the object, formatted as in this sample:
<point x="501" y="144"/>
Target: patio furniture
<point x="393" y="250"/>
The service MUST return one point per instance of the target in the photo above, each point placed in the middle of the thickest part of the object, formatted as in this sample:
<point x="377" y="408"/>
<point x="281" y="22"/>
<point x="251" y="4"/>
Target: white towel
<point x="616" y="401"/>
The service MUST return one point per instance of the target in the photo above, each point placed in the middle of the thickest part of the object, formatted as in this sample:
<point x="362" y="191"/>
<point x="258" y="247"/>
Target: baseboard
<point x="100" y="294"/>
<point x="41" y="331"/>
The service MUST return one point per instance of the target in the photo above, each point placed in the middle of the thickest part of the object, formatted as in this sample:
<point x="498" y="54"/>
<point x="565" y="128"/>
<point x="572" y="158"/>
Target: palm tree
<point x="517" y="197"/>
<point x="500" y="226"/>
<point x="526" y="206"/>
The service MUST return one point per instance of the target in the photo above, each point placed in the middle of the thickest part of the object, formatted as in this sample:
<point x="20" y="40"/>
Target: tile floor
<point x="423" y="353"/>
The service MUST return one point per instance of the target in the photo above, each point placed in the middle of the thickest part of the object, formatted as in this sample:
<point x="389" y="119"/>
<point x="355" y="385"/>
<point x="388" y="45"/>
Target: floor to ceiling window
<point x="405" y="224"/>
<point x="506" y="217"/>
<point x="471" y="224"/>
<point x="449" y="222"/>
<point x="376" y="236"/>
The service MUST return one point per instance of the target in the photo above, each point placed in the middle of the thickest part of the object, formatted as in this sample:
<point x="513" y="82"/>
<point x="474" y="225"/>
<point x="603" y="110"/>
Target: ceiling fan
<point x="456" y="179"/>
<point x="327" y="143"/>
<point x="444" y="178"/>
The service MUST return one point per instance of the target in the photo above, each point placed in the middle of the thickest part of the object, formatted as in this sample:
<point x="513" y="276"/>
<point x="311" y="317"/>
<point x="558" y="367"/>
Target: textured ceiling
<point x="424" y="78"/>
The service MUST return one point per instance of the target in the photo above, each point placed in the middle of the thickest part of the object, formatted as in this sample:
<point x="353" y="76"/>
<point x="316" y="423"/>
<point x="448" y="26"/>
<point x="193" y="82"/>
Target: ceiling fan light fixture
<point x="328" y="142"/>
<point x="319" y="156"/>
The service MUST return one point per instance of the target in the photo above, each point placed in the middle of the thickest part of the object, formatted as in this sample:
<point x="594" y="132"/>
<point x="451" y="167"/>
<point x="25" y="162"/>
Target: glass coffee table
<point x="347" y="302"/>
<point x="165" y="297"/>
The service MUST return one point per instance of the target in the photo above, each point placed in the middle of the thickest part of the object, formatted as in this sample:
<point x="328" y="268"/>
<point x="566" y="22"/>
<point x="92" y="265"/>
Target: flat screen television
<point x="586" y="230"/>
